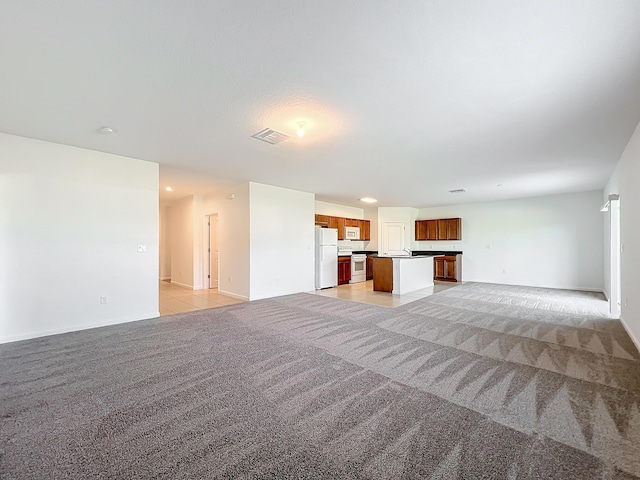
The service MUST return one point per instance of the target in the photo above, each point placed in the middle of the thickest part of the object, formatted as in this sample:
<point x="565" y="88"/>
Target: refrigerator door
<point x="326" y="266"/>
<point x="326" y="236"/>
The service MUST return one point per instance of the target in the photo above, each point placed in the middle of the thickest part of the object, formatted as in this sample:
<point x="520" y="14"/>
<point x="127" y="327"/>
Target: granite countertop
<point x="434" y="253"/>
<point x="419" y="253"/>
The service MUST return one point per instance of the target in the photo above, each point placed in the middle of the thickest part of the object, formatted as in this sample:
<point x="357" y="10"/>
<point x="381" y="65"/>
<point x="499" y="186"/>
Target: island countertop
<point x="400" y="275"/>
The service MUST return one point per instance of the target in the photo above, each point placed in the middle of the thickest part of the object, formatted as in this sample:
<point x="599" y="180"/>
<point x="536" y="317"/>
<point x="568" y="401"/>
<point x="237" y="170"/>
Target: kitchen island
<point x="400" y="275"/>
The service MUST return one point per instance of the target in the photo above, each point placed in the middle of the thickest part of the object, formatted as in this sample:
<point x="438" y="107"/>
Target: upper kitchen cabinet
<point x="365" y="230"/>
<point x="439" y="229"/>
<point x="339" y="223"/>
<point x="322" y="220"/>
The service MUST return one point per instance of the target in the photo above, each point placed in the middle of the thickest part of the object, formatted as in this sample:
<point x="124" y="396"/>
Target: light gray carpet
<point x="479" y="381"/>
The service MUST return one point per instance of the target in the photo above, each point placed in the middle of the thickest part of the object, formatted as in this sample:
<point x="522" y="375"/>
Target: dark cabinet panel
<point x="369" y="268"/>
<point x="344" y="270"/>
<point x="322" y="220"/>
<point x="448" y="268"/>
<point x="365" y="230"/>
<point x="439" y="229"/>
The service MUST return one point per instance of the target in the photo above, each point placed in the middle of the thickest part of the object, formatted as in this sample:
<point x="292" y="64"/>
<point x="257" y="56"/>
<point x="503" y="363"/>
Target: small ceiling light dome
<point x="169" y="189"/>
<point x="368" y="200"/>
<point x="107" y="130"/>
<point x="301" y="126"/>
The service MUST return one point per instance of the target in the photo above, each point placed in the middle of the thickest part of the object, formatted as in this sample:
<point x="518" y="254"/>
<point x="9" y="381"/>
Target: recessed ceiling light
<point x="458" y="190"/>
<point x="368" y="200"/>
<point x="300" y="131"/>
<point x="107" y="130"/>
<point x="169" y="189"/>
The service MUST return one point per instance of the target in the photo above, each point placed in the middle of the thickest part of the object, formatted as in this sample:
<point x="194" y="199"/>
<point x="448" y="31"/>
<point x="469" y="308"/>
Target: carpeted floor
<point x="478" y="381"/>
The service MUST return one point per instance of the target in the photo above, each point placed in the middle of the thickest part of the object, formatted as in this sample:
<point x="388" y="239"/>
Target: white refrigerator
<point x="326" y="257"/>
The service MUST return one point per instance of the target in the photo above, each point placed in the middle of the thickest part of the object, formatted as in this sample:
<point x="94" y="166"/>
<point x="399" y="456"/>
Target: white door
<point x="393" y="239"/>
<point x="213" y="251"/>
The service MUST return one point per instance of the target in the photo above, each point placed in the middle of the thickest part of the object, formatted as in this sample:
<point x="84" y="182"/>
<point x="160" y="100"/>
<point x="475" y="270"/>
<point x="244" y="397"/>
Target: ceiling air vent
<point x="270" y="136"/>
<point x="458" y="190"/>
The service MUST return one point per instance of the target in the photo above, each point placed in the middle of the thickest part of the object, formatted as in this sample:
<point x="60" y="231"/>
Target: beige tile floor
<point x="176" y="299"/>
<point x="363" y="292"/>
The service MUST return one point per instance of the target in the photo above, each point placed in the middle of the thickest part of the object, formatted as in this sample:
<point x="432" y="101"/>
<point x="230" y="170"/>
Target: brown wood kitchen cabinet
<point x="322" y="220"/>
<point x="439" y="229"/>
<point x="365" y="230"/>
<point x="339" y="223"/>
<point x="344" y="270"/>
<point x="447" y="268"/>
<point x="369" y="268"/>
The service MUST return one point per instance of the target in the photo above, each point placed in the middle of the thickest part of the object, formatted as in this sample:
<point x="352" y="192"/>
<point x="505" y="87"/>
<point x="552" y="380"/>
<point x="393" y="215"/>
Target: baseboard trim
<point x="190" y="287"/>
<point x="635" y="341"/>
<point x="165" y="278"/>
<point x="78" y="328"/>
<point x="233" y="295"/>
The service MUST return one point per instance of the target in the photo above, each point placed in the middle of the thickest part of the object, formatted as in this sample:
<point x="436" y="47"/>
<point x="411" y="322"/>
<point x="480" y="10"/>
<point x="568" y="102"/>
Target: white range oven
<point x="358" y="268"/>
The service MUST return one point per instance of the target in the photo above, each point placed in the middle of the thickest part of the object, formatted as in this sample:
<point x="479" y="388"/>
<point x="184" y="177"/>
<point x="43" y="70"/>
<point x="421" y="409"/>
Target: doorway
<point x="213" y="258"/>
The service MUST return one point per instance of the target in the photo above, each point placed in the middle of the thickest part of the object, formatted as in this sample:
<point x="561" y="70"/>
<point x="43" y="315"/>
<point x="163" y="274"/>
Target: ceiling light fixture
<point x="301" y="126"/>
<point x="107" y="130"/>
<point x="368" y="200"/>
<point x="169" y="189"/>
<point x="458" y="190"/>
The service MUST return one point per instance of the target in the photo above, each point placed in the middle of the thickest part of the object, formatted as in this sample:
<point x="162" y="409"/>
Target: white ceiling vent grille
<point x="270" y="136"/>
<point x="458" y="190"/>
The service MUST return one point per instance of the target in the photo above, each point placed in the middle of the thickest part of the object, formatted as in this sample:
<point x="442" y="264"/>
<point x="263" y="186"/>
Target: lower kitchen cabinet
<point x="369" y="268"/>
<point x="448" y="268"/>
<point x="344" y="270"/>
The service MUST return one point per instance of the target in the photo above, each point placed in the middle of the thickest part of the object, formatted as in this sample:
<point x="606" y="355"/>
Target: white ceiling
<point x="403" y="100"/>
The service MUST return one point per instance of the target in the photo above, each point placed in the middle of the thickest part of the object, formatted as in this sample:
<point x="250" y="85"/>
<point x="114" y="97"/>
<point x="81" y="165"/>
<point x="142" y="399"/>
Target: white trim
<point x="606" y="297"/>
<point x="77" y="328"/>
<point x="635" y="341"/>
<point x="234" y="295"/>
<point x="190" y="287"/>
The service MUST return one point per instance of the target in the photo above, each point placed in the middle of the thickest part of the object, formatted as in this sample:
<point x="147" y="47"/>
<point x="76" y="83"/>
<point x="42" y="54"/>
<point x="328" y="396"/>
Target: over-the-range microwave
<point x="352" y="233"/>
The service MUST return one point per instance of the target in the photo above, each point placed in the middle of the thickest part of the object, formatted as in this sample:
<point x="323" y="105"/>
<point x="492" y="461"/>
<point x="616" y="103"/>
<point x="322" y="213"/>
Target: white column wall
<point x="625" y="181"/>
<point x="282" y="241"/>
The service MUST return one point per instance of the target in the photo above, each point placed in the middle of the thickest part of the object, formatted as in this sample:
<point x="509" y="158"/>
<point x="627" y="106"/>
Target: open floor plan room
<point x="476" y="381"/>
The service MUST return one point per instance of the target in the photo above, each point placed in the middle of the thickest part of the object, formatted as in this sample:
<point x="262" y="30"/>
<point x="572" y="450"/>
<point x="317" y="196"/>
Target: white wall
<point x="552" y="241"/>
<point x="233" y="237"/>
<point x="335" y="210"/>
<point x="70" y="223"/>
<point x="282" y="241"/>
<point x="625" y="181"/>
<point x="371" y="214"/>
<point x="165" y="242"/>
<point x="406" y="215"/>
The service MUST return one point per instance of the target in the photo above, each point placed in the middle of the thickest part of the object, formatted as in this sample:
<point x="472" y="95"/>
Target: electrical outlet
<point x="103" y="299"/>
<point x="142" y="248"/>
<point x="504" y="270"/>
<point x="488" y="245"/>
